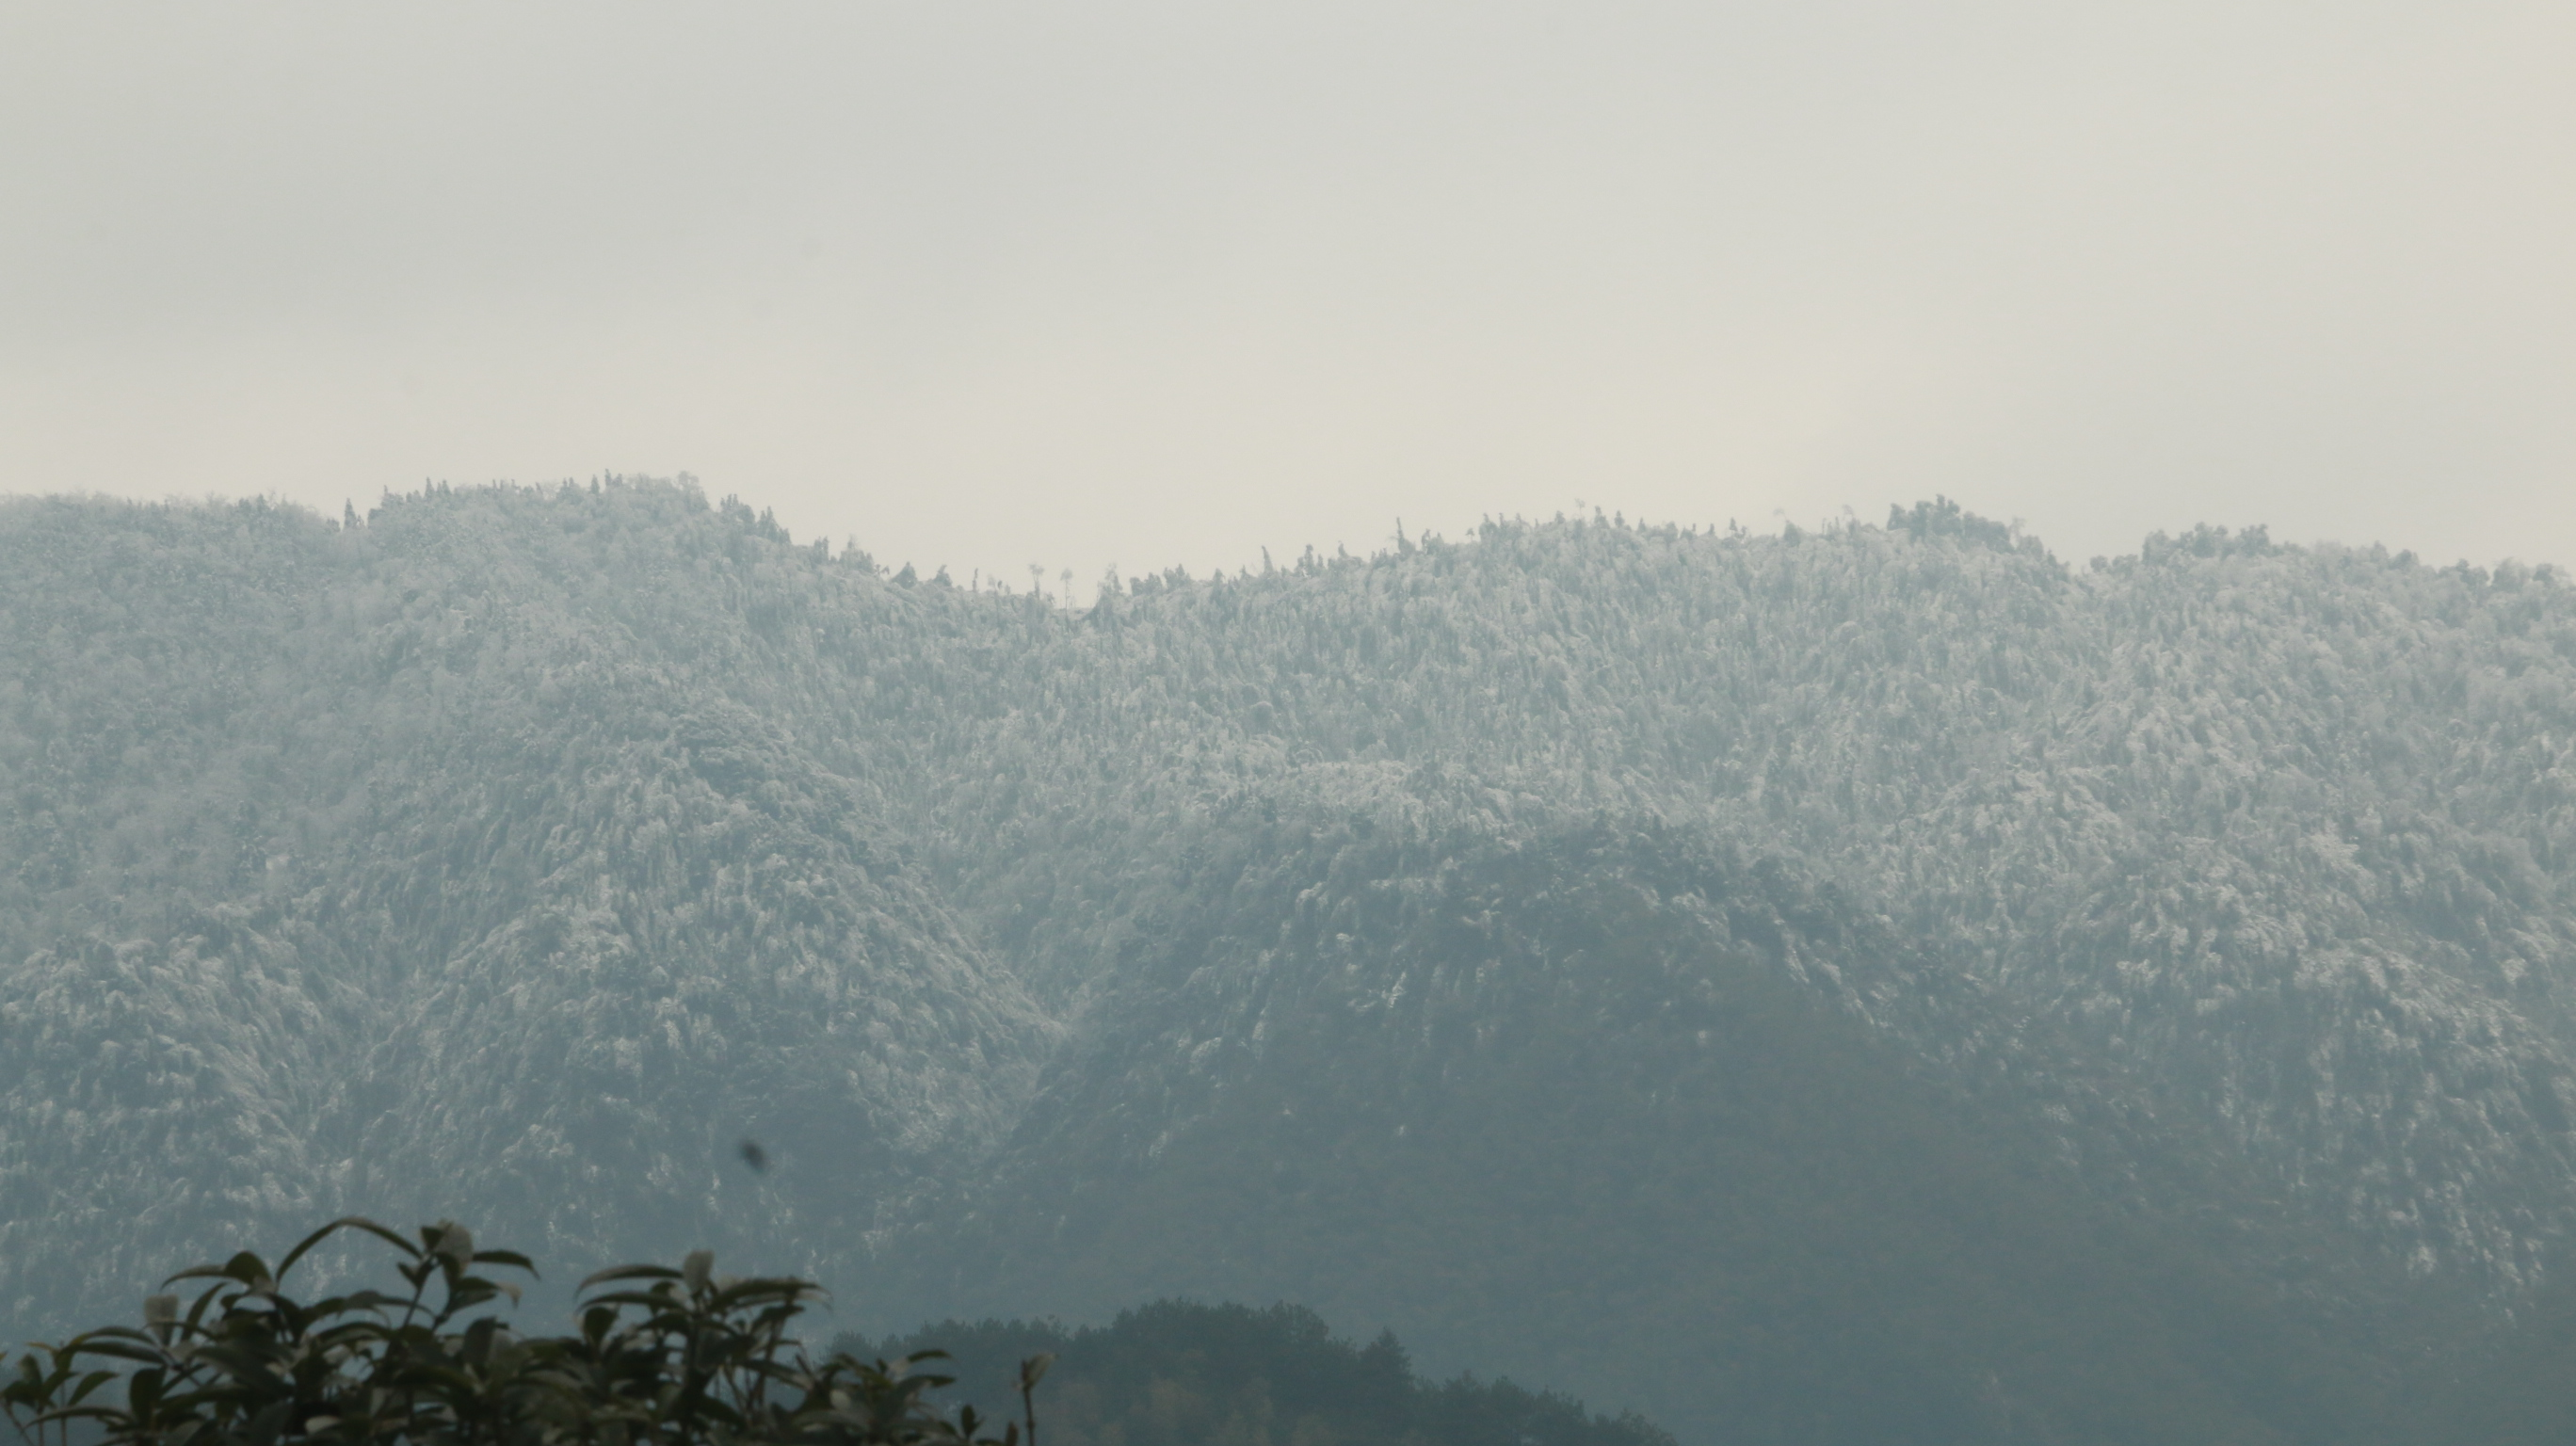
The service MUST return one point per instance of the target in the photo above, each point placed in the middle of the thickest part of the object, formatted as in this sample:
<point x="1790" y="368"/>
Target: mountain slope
<point x="1562" y="1106"/>
<point x="472" y="910"/>
<point x="521" y="850"/>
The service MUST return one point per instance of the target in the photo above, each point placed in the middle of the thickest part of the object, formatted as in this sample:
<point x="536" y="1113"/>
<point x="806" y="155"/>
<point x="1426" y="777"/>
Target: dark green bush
<point x="662" y="1357"/>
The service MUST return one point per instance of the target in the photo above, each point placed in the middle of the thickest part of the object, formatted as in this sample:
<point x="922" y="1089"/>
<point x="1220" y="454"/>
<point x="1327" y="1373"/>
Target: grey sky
<point x="988" y="285"/>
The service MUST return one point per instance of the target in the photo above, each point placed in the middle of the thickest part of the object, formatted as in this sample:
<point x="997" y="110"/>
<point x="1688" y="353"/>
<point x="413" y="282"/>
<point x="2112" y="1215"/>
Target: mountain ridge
<point x="538" y="844"/>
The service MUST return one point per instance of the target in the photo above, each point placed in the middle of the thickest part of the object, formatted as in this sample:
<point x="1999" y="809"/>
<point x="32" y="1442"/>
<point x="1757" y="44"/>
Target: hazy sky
<point x="1081" y="284"/>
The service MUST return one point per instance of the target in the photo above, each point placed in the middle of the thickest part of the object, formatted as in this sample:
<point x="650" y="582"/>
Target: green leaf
<point x="631" y="1272"/>
<point x="345" y="1222"/>
<point x="117" y="1350"/>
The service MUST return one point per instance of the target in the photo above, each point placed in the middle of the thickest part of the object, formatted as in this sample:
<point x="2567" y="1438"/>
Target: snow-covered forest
<point x="1619" y="955"/>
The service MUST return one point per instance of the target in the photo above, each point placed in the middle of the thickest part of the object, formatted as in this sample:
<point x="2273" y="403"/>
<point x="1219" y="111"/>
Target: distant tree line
<point x="1179" y="1373"/>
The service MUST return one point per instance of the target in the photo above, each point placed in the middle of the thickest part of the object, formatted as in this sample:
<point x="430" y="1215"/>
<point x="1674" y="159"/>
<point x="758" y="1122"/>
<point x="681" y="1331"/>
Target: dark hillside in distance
<point x="1808" y="988"/>
<point x="1176" y="1373"/>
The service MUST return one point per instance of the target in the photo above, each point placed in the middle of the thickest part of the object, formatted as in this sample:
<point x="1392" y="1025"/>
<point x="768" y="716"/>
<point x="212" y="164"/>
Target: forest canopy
<point x="1719" y="974"/>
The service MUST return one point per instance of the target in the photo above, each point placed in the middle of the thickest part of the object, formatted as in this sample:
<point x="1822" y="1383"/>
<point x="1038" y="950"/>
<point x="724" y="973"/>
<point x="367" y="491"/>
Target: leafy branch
<point x="661" y="1357"/>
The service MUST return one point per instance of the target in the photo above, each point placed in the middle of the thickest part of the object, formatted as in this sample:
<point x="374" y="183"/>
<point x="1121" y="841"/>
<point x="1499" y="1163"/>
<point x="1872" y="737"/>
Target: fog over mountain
<point x="1871" y="985"/>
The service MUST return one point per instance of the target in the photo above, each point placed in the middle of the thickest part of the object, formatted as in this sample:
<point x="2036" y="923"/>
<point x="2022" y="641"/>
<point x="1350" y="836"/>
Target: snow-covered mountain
<point x="516" y="853"/>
